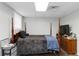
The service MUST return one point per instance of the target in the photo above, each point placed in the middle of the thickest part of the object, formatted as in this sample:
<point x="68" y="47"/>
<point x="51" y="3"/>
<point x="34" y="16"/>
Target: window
<point x="17" y="22"/>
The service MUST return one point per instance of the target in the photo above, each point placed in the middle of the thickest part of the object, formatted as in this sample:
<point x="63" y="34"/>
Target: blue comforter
<point x="52" y="43"/>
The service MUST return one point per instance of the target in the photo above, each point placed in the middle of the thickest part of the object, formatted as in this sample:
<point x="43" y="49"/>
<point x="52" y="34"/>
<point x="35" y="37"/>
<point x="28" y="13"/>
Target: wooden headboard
<point x="16" y="36"/>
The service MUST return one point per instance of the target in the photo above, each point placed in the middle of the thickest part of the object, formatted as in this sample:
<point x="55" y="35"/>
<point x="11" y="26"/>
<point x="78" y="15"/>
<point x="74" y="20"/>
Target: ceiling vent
<point x="53" y="7"/>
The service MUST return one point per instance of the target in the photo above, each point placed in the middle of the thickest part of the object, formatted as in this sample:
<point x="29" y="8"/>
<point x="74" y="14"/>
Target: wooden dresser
<point x="69" y="45"/>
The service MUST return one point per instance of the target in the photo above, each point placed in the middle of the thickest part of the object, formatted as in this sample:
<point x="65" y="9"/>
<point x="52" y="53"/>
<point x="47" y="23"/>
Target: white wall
<point x="40" y="26"/>
<point x="6" y="14"/>
<point x="73" y="21"/>
<point x="5" y="19"/>
<point x="5" y="22"/>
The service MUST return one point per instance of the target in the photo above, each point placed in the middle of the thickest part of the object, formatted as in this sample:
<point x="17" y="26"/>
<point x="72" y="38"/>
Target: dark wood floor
<point x="61" y="53"/>
<point x="50" y="53"/>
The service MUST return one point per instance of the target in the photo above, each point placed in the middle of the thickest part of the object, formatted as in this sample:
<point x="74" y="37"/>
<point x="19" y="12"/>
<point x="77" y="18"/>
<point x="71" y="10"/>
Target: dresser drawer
<point x="69" y="45"/>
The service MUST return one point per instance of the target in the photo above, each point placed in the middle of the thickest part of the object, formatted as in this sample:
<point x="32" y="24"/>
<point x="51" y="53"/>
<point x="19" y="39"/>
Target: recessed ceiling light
<point x="41" y="6"/>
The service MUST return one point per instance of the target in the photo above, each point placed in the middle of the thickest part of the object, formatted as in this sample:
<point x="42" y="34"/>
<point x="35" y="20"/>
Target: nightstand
<point x="7" y="49"/>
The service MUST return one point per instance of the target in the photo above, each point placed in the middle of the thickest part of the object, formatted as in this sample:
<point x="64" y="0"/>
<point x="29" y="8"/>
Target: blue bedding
<point x="52" y="43"/>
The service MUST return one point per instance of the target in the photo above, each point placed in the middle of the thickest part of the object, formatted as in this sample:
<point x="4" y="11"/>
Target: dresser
<point x="69" y="45"/>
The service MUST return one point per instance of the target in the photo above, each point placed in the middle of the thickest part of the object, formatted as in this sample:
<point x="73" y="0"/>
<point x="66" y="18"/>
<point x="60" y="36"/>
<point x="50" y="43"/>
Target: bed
<point x="36" y="44"/>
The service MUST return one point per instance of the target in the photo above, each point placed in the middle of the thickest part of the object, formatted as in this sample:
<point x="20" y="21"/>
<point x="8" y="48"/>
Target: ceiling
<point x="27" y="9"/>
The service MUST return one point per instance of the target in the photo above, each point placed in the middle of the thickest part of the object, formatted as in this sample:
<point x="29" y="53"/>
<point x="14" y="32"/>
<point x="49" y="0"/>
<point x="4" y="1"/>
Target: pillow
<point x="22" y="34"/>
<point x="27" y="34"/>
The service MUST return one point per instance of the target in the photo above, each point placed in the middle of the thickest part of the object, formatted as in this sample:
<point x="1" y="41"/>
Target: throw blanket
<point x="52" y="43"/>
<point x="33" y="44"/>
